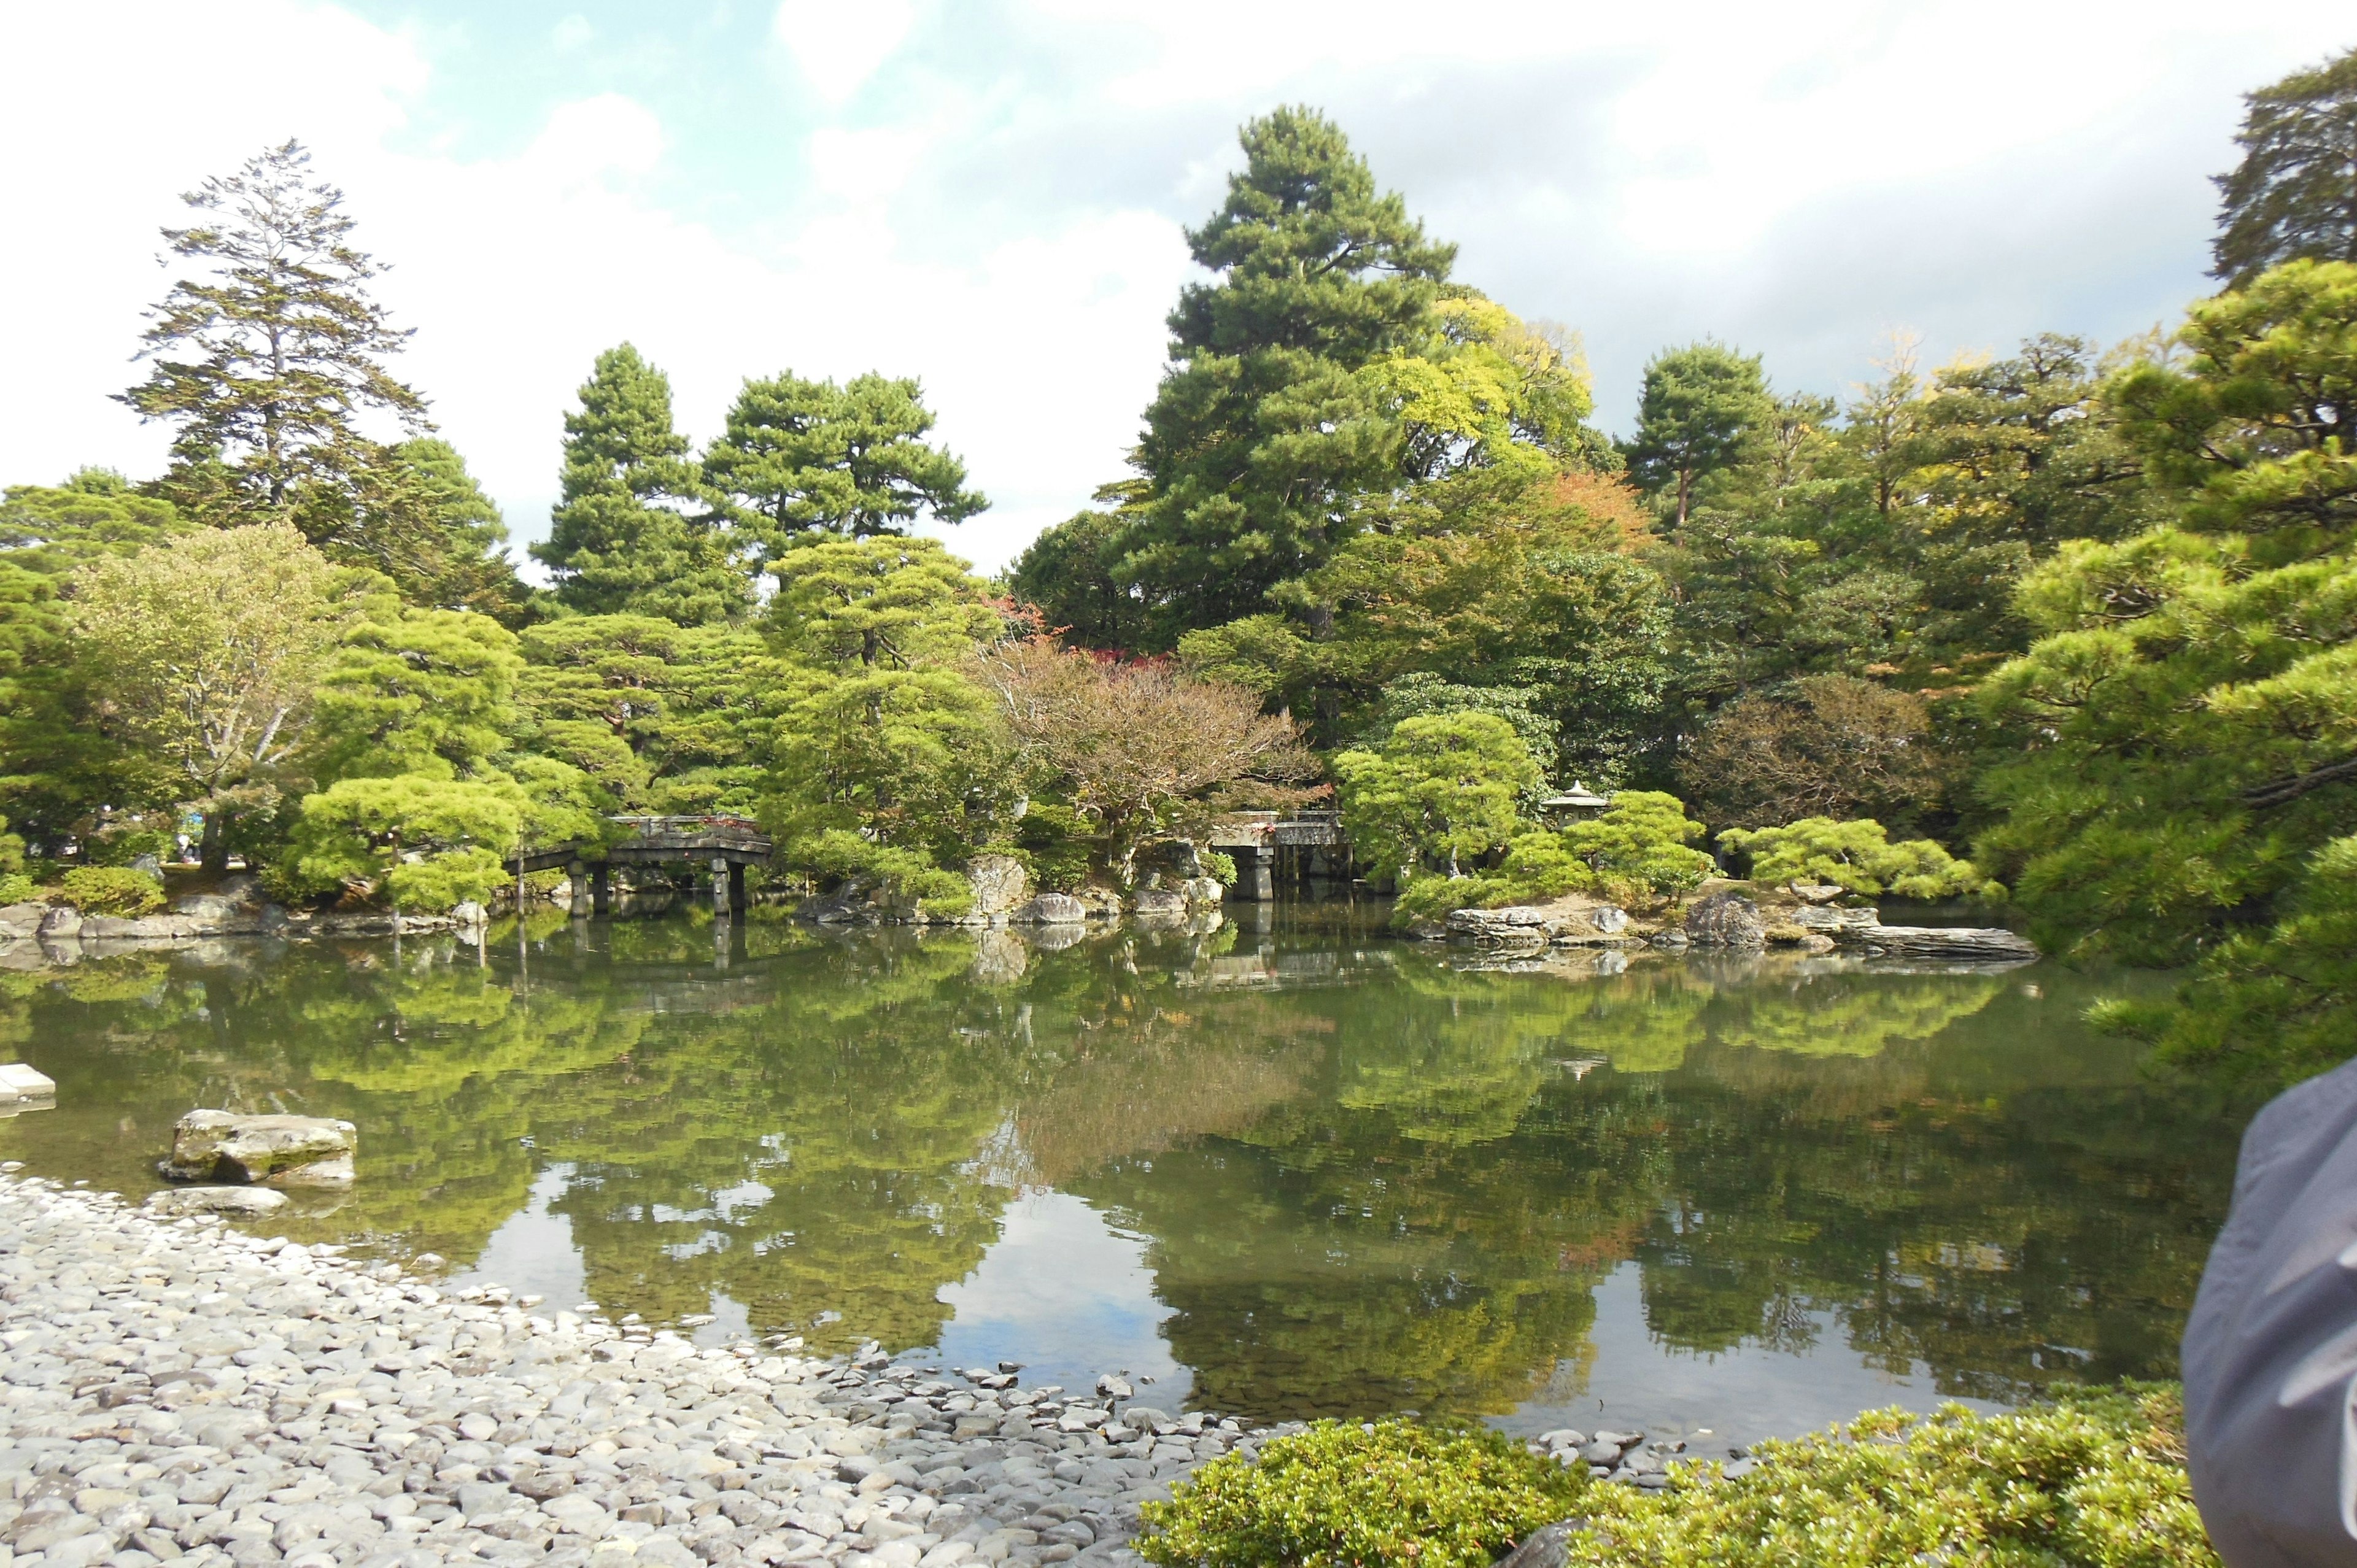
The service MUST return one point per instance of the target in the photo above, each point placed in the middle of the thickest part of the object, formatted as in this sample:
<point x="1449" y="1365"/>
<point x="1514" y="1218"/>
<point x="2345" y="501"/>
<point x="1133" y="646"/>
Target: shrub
<point x="111" y="890"/>
<point x="16" y="888"/>
<point x="1857" y="855"/>
<point x="1340" y="1496"/>
<point x="2095" y="1478"/>
<point x="1639" y="846"/>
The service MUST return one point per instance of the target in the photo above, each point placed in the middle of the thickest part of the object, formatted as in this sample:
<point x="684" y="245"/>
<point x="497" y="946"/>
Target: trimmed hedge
<point x="2093" y="1479"/>
<point x="1337" y="1494"/>
<point x="110" y="890"/>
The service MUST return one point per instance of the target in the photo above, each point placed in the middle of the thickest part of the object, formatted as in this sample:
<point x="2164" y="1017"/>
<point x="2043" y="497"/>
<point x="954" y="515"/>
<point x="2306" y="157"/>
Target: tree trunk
<point x="213" y="856"/>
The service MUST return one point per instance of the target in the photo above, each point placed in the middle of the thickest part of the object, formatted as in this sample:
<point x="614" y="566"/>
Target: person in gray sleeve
<point x="2270" y="1352"/>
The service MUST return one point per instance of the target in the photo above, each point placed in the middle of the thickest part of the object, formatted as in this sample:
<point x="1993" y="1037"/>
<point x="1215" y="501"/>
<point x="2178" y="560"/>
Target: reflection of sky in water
<point x="1739" y="1395"/>
<point x="532" y="1252"/>
<point x="1066" y="1294"/>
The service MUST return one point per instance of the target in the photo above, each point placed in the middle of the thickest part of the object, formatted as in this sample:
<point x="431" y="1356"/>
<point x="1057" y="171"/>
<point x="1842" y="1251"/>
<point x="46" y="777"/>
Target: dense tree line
<point x="2074" y="607"/>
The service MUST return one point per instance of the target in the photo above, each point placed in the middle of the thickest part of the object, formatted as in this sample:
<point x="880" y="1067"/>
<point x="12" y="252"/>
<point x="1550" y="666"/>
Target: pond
<point x="1290" y="1167"/>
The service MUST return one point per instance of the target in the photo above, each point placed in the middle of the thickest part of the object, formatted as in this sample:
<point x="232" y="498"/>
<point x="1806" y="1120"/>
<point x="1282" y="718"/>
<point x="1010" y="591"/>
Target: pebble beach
<point x="175" y="1389"/>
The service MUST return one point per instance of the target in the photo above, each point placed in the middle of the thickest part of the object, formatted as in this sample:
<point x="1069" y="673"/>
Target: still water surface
<point x="1289" y="1170"/>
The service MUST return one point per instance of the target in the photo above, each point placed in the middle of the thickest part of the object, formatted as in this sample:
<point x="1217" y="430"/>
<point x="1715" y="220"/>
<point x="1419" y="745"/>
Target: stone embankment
<point x="174" y="1391"/>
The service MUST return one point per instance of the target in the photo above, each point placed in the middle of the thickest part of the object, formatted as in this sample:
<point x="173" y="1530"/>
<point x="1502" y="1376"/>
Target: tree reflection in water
<point x="1372" y="1177"/>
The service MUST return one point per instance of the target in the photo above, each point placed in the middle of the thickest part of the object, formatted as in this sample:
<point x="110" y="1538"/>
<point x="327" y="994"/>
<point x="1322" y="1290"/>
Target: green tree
<point x="58" y="764"/>
<point x="206" y="651"/>
<point x="631" y="533"/>
<point x="447" y="547"/>
<point x="1070" y="575"/>
<point x="429" y="693"/>
<point x="667" y="718"/>
<point x="1441" y="791"/>
<point x="884" y="761"/>
<point x="1264" y="433"/>
<point x="800" y="454"/>
<point x="1701" y="406"/>
<point x="2294" y="195"/>
<point x="2186" y="768"/>
<point x="265" y="362"/>
<point x="1858" y="855"/>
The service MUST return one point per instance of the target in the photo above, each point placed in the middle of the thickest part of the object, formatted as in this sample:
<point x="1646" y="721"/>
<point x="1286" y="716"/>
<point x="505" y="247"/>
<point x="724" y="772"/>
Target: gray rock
<point x="1544" y="1548"/>
<point x="1050" y="910"/>
<point x="148" y="866"/>
<point x="1726" y="921"/>
<point x="1519" y="923"/>
<point x="1159" y="904"/>
<point x="1669" y="942"/>
<point x="1608" y="918"/>
<point x="23" y="1087"/>
<point x="1601" y="1452"/>
<point x="282" y="1151"/>
<point x="18" y="921"/>
<point x="1942" y="941"/>
<point x="215" y="1200"/>
<point x="62" y="923"/>
<point x="1817" y="917"/>
<point x="1816" y="892"/>
<point x="1000" y="885"/>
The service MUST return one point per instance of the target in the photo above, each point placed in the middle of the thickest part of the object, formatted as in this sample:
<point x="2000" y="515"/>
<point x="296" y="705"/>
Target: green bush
<point x="111" y="890"/>
<point x="16" y="888"/>
<point x="1638" y="846"/>
<point x="1857" y="855"/>
<point x="1336" y="1496"/>
<point x="2095" y="1478"/>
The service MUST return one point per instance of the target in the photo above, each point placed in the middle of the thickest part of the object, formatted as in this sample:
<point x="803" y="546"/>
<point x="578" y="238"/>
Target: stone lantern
<point x="1576" y="804"/>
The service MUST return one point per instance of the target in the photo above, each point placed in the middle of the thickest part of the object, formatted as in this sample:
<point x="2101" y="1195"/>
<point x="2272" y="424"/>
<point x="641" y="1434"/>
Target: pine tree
<point x="1262" y="433"/>
<point x="802" y="454"/>
<point x="631" y="532"/>
<point x="1700" y="407"/>
<point x="2294" y="195"/>
<point x="265" y="363"/>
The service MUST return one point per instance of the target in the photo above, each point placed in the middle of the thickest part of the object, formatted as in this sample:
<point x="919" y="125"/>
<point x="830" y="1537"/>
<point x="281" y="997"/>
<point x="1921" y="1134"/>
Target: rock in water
<point x="277" y="1151"/>
<point x="214" y="1200"/>
<point x="1515" y="923"/>
<point x="24" y="1089"/>
<point x="1000" y="884"/>
<point x="1051" y="909"/>
<point x="1943" y="941"/>
<point x="1726" y="921"/>
<point x="1159" y="904"/>
<point x="1608" y="918"/>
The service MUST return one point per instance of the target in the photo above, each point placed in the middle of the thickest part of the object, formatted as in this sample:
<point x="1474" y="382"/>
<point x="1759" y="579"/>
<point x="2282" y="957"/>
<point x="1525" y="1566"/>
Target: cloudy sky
<point x="990" y="194"/>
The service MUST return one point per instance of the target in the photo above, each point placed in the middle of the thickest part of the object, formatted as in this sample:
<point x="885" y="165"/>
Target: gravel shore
<point x="176" y="1391"/>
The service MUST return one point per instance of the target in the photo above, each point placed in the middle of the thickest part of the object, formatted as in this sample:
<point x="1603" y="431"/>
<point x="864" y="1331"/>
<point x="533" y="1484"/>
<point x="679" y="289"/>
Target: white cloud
<point x="839" y="44"/>
<point x="1791" y="182"/>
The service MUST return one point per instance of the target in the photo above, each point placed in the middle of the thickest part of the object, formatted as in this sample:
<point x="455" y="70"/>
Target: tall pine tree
<point x="2294" y="195"/>
<point x="631" y="532"/>
<point x="800" y="454"/>
<point x="1262" y="433"/>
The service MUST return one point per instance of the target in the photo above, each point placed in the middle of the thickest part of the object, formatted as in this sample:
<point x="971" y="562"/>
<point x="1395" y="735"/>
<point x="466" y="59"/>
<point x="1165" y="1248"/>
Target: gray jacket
<point x="2271" y="1349"/>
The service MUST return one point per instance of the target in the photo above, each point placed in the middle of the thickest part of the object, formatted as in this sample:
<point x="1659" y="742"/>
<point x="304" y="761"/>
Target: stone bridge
<point x="728" y="845"/>
<point x="1290" y="853"/>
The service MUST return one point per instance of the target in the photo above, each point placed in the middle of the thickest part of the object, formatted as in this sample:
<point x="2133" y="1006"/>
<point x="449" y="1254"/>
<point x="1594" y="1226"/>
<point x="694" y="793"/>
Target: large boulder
<point x="1204" y="892"/>
<point x="1726" y="921"/>
<point x="1000" y="885"/>
<point x="1517" y="923"/>
<point x="1608" y="918"/>
<point x="61" y="924"/>
<point x="1050" y="910"/>
<point x="275" y="1151"/>
<point x="1159" y="904"/>
<point x="18" y="921"/>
